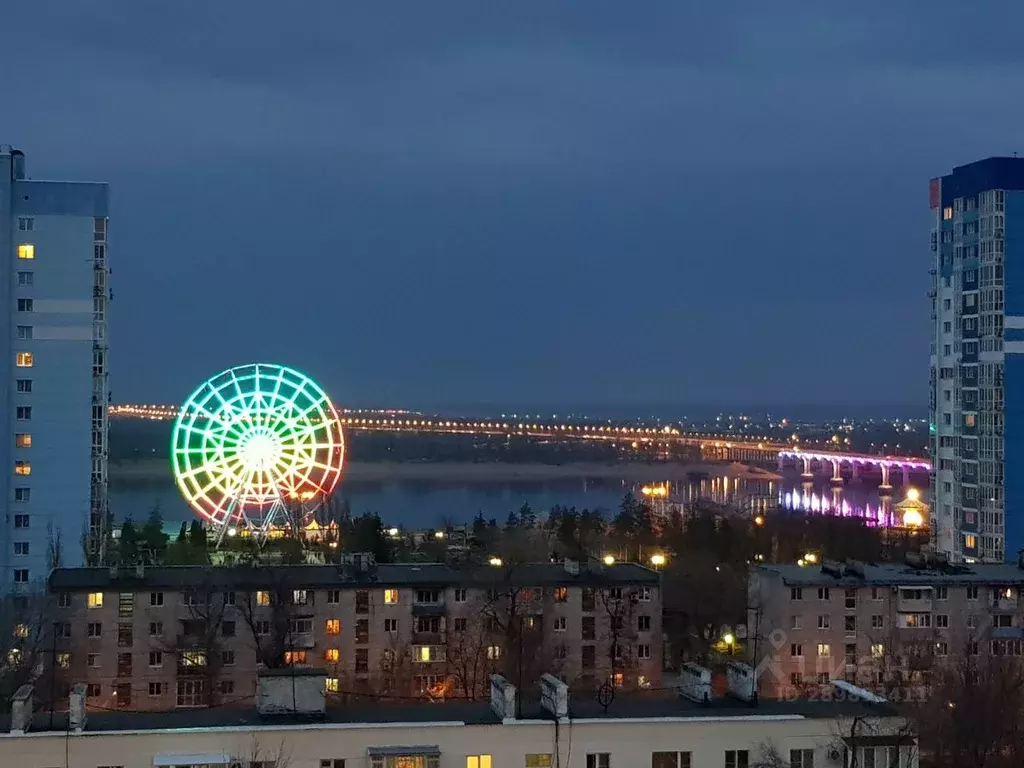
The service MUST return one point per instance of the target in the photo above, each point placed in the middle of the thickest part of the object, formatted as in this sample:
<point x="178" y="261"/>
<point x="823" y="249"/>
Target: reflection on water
<point x="426" y="503"/>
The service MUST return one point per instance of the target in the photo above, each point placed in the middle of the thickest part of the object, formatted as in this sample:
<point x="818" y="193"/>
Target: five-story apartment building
<point x="165" y="637"/>
<point x="879" y="626"/>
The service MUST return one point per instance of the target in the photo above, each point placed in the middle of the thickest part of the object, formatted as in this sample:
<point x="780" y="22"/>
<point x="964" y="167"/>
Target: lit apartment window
<point x="23" y="440"/>
<point x="23" y="359"/>
<point x="541" y="760"/>
<point x="877" y="650"/>
<point x="332" y="655"/>
<point x="390" y="596"/>
<point x="333" y="626"/>
<point x="21" y="630"/>
<point x="22" y="468"/>
<point x="331" y="685"/>
<point x="262" y="598"/>
<point x="26" y="251"/>
<point x="493" y="652"/>
<point x="970" y="540"/>
<point x="193" y="659"/>
<point x="63" y="660"/>
<point x="294" y="657"/>
<point x="947" y="213"/>
<point x="478" y="761"/>
<point x="95" y="600"/>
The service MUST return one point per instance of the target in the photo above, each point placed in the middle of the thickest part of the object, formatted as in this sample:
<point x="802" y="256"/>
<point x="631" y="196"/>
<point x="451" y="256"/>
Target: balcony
<point x="429" y="607"/>
<point x="914" y="600"/>
<point x="1004" y="599"/>
<point x="427" y="638"/>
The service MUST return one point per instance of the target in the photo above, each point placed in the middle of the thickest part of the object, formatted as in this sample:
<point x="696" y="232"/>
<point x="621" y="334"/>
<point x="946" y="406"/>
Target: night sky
<point x="439" y="204"/>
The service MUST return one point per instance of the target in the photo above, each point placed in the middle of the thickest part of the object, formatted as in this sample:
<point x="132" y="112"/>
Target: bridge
<point x="712" y="447"/>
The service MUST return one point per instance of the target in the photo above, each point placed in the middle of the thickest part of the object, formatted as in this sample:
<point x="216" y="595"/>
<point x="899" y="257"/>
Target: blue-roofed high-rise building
<point x="53" y="371"/>
<point x="977" y="360"/>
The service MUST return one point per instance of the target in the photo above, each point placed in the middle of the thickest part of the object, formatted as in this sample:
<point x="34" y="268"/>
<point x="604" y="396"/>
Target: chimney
<point x="742" y="681"/>
<point x="22" y="704"/>
<point x="554" y="696"/>
<point x="291" y="691"/>
<point x="695" y="683"/>
<point x="76" y="708"/>
<point x="503" y="698"/>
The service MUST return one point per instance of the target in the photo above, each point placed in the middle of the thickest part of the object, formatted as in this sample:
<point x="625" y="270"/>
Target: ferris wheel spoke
<point x="225" y="477"/>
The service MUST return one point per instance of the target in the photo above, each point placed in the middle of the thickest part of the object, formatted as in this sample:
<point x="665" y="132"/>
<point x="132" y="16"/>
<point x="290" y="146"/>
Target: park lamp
<point x="392" y="532"/>
<point x="438" y="534"/>
<point x="495" y="561"/>
<point x="657" y="560"/>
<point x="609" y="560"/>
<point x="729" y="638"/>
<point x="759" y="520"/>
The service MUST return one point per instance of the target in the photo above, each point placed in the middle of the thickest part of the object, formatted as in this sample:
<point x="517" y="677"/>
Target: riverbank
<point x="158" y="470"/>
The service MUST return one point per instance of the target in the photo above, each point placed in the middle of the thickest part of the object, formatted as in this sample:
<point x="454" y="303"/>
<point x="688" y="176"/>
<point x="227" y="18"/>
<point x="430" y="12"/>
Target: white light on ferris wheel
<point x="253" y="440"/>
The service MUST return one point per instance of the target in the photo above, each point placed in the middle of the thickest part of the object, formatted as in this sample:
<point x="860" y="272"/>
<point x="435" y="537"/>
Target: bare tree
<point x="271" y="614"/>
<point x="768" y="756"/>
<point x="32" y="647"/>
<point x="198" y="647"/>
<point x="467" y="652"/>
<point x="255" y="755"/>
<point x="972" y="717"/>
<point x="619" y="608"/>
<point x="54" y="546"/>
<point x="856" y="734"/>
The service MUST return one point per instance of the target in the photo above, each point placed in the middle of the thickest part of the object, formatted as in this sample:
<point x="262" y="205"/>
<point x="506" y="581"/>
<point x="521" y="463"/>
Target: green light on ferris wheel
<point x="252" y="439"/>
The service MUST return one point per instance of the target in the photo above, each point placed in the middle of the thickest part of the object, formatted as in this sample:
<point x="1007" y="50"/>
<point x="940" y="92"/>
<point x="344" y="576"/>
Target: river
<point x="425" y="502"/>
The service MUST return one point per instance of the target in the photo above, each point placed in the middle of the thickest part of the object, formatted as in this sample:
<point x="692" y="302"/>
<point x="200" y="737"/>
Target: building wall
<point x="629" y="743"/>
<point x="978" y="335"/>
<point x="1013" y="383"/>
<point x="58" y="331"/>
<point x="93" y="655"/>
<point x="879" y="643"/>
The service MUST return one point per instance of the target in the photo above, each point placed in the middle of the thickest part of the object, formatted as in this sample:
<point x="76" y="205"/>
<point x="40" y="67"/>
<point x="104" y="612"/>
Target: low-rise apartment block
<point x="884" y="627"/>
<point x="293" y="725"/>
<point x="165" y="637"/>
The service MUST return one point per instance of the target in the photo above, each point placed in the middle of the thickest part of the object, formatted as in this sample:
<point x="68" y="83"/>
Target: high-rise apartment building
<point x="977" y="360"/>
<point x="53" y="370"/>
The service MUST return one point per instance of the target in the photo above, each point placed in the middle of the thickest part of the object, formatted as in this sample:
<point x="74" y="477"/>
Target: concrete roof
<point x="247" y="577"/>
<point x="892" y="574"/>
<point x="584" y="706"/>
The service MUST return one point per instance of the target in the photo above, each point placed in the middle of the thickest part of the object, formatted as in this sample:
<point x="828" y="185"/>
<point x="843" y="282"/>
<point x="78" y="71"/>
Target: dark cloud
<point x="440" y="203"/>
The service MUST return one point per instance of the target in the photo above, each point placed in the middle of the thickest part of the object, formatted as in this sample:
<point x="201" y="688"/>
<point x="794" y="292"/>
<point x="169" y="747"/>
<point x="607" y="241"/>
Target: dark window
<point x="227" y="628"/>
<point x="589" y="627"/>
<point x="589" y="657"/>
<point x="362" y="601"/>
<point x="125" y="637"/>
<point x="362" y="660"/>
<point x="587" y="602"/>
<point x="362" y="630"/>
<point x="123" y="693"/>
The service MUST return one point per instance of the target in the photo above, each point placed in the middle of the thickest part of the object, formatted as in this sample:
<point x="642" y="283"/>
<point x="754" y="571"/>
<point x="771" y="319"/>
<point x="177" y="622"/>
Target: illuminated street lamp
<point x="810" y="557"/>
<point x="759" y="520"/>
<point x="392" y="532"/>
<point x="657" y="560"/>
<point x="609" y="560"/>
<point x="495" y="561"/>
<point x="438" y="534"/>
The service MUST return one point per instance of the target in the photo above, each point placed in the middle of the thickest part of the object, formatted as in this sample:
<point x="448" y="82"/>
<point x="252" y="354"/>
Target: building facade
<point x="167" y="637"/>
<point x="977" y="359"/>
<point x="883" y="627"/>
<point x="668" y="733"/>
<point x="53" y="375"/>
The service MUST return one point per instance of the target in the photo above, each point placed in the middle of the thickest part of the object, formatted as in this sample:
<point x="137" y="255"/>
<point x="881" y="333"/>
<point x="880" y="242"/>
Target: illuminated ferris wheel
<point x="254" y="445"/>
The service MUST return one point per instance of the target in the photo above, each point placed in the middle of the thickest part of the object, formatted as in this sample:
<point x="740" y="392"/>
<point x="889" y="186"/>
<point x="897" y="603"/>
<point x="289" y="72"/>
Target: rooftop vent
<point x="22" y="705"/>
<point x="554" y="695"/>
<point x="503" y="697"/>
<point x="832" y="569"/>
<point x="695" y="683"/>
<point x="572" y="567"/>
<point x="291" y="692"/>
<point x="853" y="568"/>
<point x="742" y="681"/>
